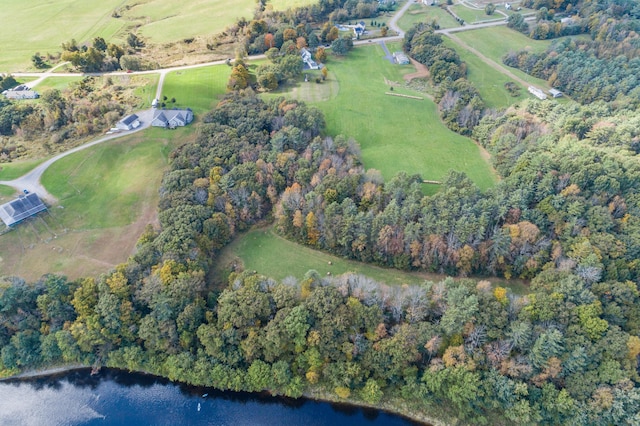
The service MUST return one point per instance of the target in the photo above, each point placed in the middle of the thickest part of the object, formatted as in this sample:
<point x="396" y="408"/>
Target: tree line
<point x="566" y="352"/>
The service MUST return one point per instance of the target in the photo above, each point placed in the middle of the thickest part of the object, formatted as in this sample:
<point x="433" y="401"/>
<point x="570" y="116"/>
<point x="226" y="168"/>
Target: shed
<point x="21" y="208"/>
<point x="130" y="122"/>
<point x="401" y="58"/>
<point x="537" y="93"/>
<point x="555" y="93"/>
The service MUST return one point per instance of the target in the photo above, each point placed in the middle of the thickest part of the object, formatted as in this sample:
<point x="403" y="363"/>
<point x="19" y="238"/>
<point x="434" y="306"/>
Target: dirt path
<point x="421" y="71"/>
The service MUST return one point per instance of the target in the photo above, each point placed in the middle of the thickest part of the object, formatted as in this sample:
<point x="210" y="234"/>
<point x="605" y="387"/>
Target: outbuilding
<point x="21" y="208"/>
<point x="130" y="122"/>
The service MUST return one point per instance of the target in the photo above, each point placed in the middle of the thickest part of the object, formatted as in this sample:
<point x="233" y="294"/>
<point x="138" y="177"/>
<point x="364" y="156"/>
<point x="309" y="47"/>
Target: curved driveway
<point x="31" y="180"/>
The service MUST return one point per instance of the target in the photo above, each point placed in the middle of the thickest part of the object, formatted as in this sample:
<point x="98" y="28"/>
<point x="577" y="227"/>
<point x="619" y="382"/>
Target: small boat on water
<point x="198" y="406"/>
<point x="204" y="395"/>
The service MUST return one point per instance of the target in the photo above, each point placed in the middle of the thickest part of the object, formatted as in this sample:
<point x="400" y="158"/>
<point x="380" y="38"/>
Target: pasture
<point x="396" y="133"/>
<point x="420" y="13"/>
<point x="198" y="89"/>
<point x="9" y="171"/>
<point x="31" y="26"/>
<point x="472" y="16"/>
<point x="106" y="195"/>
<point x="495" y="42"/>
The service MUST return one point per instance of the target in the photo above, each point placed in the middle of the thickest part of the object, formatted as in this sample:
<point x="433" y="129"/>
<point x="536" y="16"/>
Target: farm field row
<point x="42" y="26"/>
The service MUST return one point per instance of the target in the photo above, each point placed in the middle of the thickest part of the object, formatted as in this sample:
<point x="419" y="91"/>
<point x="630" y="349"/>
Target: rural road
<point x="31" y="180"/>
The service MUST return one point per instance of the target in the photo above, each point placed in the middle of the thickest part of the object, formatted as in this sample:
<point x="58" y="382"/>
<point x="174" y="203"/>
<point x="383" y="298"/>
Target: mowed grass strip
<point x="418" y="13"/>
<point x="198" y="89"/>
<point x="395" y="133"/>
<point x="104" y="186"/>
<point x="269" y="254"/>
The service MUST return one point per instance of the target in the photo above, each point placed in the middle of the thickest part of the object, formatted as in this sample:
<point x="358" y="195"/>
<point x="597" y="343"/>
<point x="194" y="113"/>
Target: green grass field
<point x="396" y="134"/>
<point x="105" y="185"/>
<point x="59" y="83"/>
<point x="488" y="81"/>
<point x="30" y="26"/>
<point x="471" y="16"/>
<point x="494" y="42"/>
<point x="267" y="253"/>
<point x="5" y="193"/>
<point x="107" y="194"/>
<point x="421" y="13"/>
<point x="9" y="171"/>
<point x="198" y="89"/>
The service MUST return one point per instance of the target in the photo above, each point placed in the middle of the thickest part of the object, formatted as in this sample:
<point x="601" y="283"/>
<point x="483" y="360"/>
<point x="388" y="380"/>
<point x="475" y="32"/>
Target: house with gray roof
<point x="171" y="118"/>
<point x="21" y="92"/>
<point x="21" y="208"/>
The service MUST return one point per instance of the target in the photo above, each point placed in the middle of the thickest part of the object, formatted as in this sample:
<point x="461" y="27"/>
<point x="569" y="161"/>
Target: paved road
<point x="31" y="180"/>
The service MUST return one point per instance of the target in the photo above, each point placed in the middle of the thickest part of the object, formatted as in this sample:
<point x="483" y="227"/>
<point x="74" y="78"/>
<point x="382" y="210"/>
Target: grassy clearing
<point x="269" y="254"/>
<point x="6" y="192"/>
<point x="396" y="134"/>
<point x="489" y="82"/>
<point x="290" y="4"/>
<point x="473" y="15"/>
<point x="107" y="194"/>
<point x="421" y="13"/>
<point x="198" y="89"/>
<point x="91" y="183"/>
<point x="494" y="42"/>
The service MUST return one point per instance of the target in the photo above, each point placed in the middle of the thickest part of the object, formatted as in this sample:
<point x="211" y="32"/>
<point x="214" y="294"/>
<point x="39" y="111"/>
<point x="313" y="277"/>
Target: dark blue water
<point x="117" y="398"/>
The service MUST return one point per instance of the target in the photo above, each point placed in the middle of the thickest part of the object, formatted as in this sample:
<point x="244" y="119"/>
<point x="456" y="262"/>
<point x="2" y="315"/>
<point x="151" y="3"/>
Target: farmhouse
<point x="537" y="93"/>
<point x="21" y="92"/>
<point x="400" y="58"/>
<point x="172" y="118"/>
<point x="21" y="208"/>
<point x="555" y="93"/>
<point x="359" y="29"/>
<point x="309" y="63"/>
<point x="130" y="122"/>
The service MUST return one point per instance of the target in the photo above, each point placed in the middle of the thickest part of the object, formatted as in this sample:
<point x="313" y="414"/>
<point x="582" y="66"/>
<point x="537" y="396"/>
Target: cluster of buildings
<point x="538" y="93"/>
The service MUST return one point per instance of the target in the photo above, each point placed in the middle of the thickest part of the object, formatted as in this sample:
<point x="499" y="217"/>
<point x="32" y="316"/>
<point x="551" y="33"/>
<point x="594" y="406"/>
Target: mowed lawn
<point x="104" y="186"/>
<point x="418" y="13"/>
<point x="30" y="26"/>
<point x="495" y="42"/>
<point x="106" y="195"/>
<point x="395" y="133"/>
<point x="269" y="254"/>
<point x="471" y="16"/>
<point x="199" y="89"/>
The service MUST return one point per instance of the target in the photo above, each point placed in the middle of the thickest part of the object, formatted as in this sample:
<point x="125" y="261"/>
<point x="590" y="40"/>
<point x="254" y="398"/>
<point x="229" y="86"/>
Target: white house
<point x="21" y="92"/>
<point x="309" y="63"/>
<point x="130" y="122"/>
<point x="171" y="118"/>
<point x="359" y="29"/>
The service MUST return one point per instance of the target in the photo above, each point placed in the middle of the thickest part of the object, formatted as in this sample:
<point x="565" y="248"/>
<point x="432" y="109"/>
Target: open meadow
<point x="198" y="89"/>
<point x="106" y="195"/>
<point x="396" y="133"/>
<point x="418" y="13"/>
<point x="30" y="26"/>
<point x="269" y="254"/>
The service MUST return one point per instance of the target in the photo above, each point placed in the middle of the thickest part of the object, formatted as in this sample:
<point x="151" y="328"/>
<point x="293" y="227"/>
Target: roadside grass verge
<point x="421" y="13"/>
<point x="9" y="171"/>
<point x="269" y="254"/>
<point x="199" y="89"/>
<point x="107" y="194"/>
<point x="59" y="83"/>
<point x="396" y="134"/>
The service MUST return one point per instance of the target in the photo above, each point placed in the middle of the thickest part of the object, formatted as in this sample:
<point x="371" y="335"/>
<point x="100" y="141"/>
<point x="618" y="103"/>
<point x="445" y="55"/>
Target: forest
<point x="565" y="215"/>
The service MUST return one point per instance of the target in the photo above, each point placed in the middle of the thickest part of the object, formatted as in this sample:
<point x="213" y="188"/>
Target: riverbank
<point x="391" y="406"/>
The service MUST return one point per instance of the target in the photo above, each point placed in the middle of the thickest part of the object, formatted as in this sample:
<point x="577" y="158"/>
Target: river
<point x="115" y="397"/>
